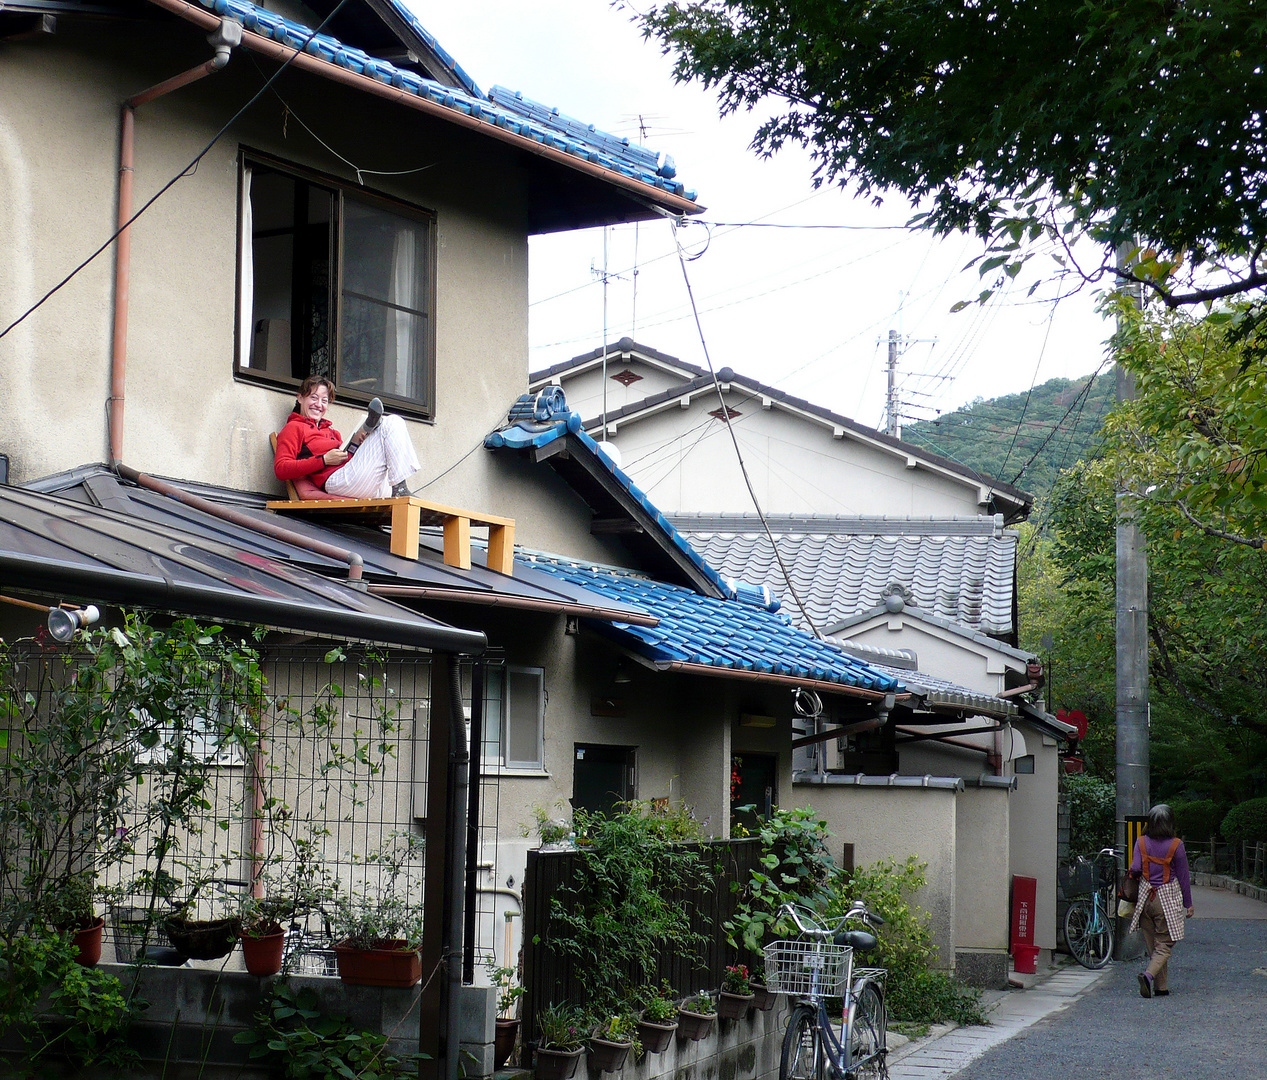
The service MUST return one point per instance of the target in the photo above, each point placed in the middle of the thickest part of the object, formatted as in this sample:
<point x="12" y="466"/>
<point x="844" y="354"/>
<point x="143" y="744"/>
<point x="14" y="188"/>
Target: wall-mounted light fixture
<point x="64" y="623"/>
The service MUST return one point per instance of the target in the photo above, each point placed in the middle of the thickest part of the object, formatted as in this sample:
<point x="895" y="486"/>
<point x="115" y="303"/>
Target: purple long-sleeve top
<point x="1178" y="866"/>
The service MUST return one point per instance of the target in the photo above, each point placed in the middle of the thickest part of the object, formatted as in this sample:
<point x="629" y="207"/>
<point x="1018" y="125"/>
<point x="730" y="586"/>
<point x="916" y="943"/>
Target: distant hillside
<point x="1034" y="435"/>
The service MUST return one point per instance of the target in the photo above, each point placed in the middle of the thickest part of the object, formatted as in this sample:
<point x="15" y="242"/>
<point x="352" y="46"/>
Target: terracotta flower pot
<point x="763" y="997"/>
<point x="693" y="1025"/>
<point x="733" y="1006"/>
<point x="504" y="1041"/>
<point x="655" y="1038"/>
<point x="88" y="942"/>
<point x="608" y="1056"/>
<point x="389" y="963"/>
<point x="556" y="1064"/>
<point x="263" y="951"/>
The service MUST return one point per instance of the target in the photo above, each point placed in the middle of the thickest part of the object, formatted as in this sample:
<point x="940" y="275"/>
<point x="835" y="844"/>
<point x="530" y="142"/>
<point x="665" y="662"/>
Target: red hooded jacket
<point x="300" y="446"/>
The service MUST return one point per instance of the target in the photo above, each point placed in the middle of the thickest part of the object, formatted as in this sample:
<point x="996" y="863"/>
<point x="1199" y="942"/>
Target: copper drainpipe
<point x="222" y="39"/>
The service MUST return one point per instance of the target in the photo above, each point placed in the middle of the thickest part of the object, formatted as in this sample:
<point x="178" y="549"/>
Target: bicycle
<point x="816" y="968"/>
<point x="1090" y="922"/>
<point x="308" y="951"/>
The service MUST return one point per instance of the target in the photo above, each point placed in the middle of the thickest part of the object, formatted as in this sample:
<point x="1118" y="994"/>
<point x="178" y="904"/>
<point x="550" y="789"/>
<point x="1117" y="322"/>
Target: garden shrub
<point x="1197" y="819"/>
<point x="917" y="993"/>
<point x="1246" y="821"/>
<point x="1092" y="812"/>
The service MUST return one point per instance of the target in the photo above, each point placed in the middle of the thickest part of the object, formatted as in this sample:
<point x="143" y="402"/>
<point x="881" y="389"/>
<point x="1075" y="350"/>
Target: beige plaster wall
<point x="1033" y="839"/>
<point x="894" y="823"/>
<point x="982" y="875"/>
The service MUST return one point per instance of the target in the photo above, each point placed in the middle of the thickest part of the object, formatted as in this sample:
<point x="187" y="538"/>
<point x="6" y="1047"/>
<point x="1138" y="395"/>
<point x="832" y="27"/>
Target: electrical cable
<point x="725" y="415"/>
<point x="188" y="170"/>
<point x="1030" y="392"/>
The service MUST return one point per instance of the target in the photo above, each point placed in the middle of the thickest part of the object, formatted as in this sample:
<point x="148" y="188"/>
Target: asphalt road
<point x="1213" y="1024"/>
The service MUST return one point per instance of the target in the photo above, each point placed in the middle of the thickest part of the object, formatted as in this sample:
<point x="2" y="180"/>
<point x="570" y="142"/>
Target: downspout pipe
<point x="455" y="867"/>
<point x="222" y="39"/>
<point x="226" y="513"/>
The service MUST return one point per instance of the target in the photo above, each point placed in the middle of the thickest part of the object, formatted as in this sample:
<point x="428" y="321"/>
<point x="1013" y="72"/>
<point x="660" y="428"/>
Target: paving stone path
<point x="1094" y="1024"/>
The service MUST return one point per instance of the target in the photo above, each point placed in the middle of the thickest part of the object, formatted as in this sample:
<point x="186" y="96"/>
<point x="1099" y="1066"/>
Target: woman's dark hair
<point x="312" y="382"/>
<point x="1161" y="823"/>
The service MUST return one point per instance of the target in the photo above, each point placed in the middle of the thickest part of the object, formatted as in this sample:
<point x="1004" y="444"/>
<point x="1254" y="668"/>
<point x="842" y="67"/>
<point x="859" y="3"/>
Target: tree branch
<point x="1255" y="542"/>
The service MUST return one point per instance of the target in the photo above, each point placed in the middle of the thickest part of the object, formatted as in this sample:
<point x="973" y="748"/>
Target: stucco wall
<point x="981" y="869"/>
<point x="894" y="823"/>
<point x="1033" y="842"/>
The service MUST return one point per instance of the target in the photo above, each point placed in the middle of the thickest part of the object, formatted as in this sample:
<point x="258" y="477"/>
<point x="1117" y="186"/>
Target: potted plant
<point x="560" y="1041"/>
<point x="696" y="1016"/>
<point x="68" y="909"/>
<point x="763" y="997"/>
<point x="377" y="928"/>
<point x="736" y="993"/>
<point x="263" y="938"/>
<point x="508" y="993"/>
<point x="612" y="1040"/>
<point x="658" y="1021"/>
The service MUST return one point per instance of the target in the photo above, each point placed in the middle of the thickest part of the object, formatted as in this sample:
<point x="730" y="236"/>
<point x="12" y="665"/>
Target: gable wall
<point x="976" y="667"/>
<point x="585" y="390"/>
<point x="685" y="461"/>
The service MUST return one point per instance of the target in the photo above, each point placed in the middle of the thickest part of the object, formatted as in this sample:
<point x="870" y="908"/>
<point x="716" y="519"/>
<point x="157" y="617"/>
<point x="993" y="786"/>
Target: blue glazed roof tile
<point x="501" y="108"/>
<point x="727" y="634"/>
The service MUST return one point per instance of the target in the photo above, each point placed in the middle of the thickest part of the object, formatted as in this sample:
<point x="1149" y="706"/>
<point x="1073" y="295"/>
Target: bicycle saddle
<point x="859" y="940"/>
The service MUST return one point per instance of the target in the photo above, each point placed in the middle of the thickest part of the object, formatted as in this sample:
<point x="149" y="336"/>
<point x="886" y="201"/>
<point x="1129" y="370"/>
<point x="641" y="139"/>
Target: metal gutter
<point x="926" y="782"/>
<point x="521" y="603"/>
<point x="782" y="680"/>
<point x="306" y="62"/>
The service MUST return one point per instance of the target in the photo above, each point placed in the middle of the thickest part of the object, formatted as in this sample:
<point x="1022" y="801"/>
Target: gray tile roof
<point x="959" y="569"/>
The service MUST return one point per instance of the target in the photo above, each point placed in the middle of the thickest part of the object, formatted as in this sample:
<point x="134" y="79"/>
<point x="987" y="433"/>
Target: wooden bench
<point x="404" y="517"/>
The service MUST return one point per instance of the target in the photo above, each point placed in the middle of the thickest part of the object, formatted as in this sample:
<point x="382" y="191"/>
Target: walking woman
<point x="1165" y="896"/>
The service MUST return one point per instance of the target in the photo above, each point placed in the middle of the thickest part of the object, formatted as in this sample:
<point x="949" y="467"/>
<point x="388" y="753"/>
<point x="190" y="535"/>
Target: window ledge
<point x="522" y="773"/>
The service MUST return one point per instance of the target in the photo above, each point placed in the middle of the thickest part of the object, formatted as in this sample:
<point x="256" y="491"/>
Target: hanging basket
<point x="556" y="1064"/>
<point x="655" y="1038"/>
<point x="693" y="1025"/>
<point x="733" y="1006"/>
<point x="763" y="997"/>
<point x="608" y="1056"/>
<point x="203" y="939"/>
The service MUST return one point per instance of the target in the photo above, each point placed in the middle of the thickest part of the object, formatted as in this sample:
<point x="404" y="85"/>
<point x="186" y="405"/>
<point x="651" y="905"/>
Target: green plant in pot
<point x="561" y="1032"/>
<point x="614" y="1037"/>
<point x="378" y="927"/>
<point x="68" y="909"/>
<point x="263" y="936"/>
<point x="507" y="1028"/>
<point x="659" y="1018"/>
<point x="696" y="1016"/>
<point x="762" y="996"/>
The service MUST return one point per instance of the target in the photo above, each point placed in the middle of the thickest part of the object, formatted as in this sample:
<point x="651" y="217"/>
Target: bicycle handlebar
<point x="857" y="912"/>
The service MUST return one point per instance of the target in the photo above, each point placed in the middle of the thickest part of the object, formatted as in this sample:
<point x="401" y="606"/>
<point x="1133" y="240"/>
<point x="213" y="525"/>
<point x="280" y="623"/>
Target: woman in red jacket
<point x="376" y="465"/>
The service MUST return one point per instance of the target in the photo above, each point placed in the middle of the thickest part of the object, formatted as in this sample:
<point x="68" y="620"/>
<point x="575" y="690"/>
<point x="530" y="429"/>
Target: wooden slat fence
<point x="549" y="978"/>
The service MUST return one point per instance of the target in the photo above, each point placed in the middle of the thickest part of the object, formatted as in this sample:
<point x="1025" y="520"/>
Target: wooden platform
<point x="406" y="516"/>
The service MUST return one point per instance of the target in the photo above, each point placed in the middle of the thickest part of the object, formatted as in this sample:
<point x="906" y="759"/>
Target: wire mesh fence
<point x="198" y="784"/>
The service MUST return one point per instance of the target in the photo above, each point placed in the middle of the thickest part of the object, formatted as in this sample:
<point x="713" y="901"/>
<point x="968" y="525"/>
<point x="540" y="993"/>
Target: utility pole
<point x="892" y="415"/>
<point x="1131" y="612"/>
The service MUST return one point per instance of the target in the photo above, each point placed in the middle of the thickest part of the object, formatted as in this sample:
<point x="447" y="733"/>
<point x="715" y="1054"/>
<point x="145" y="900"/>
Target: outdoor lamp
<point x="63" y="624"/>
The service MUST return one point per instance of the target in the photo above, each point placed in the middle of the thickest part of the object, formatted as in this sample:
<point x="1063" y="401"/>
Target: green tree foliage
<point x="1092" y="805"/>
<point x="1248" y="821"/>
<point x="917" y="992"/>
<point x="1197" y="819"/>
<point x="1022" y="439"/>
<point x="1012" y="119"/>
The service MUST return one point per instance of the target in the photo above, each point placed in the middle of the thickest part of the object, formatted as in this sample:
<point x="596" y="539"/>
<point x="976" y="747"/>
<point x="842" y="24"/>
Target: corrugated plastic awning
<point x="62" y="549"/>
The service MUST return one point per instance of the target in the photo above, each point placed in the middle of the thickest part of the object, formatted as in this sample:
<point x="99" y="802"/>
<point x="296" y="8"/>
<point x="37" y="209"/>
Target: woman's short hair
<point x="1161" y="823"/>
<point x="312" y="382"/>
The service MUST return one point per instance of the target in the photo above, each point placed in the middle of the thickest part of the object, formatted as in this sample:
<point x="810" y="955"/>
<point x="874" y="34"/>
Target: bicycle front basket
<point x="1076" y="879"/>
<point x="805" y="968"/>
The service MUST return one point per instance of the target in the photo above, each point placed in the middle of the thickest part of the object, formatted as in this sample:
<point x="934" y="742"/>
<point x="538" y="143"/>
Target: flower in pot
<point x="561" y="1031"/>
<point x="612" y="1040"/>
<point x="508" y="994"/>
<point x="736" y="993"/>
<point x="696" y="1016"/>
<point x="67" y="907"/>
<point x="659" y="1019"/>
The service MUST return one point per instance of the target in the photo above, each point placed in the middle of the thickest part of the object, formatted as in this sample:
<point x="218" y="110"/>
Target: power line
<point x="188" y="170"/>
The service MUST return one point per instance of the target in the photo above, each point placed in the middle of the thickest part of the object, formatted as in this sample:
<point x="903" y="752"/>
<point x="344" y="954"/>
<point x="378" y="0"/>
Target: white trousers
<point x="382" y="461"/>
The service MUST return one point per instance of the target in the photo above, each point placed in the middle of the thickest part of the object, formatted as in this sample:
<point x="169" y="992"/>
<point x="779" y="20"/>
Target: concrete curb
<point x="1231" y="884"/>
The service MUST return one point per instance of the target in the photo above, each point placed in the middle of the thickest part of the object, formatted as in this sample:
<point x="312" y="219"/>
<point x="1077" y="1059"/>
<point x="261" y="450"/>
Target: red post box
<point x="1024" y="951"/>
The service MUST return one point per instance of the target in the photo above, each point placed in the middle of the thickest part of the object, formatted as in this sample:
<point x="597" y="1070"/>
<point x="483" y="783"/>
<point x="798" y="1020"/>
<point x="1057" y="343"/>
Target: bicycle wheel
<point x="1089" y="934"/>
<point x="867" y="1035"/>
<point x="802" y="1056"/>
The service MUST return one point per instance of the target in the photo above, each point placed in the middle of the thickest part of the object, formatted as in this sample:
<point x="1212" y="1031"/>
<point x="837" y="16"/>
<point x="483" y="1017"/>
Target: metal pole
<point x="1131" y="616"/>
<point x="893" y="427"/>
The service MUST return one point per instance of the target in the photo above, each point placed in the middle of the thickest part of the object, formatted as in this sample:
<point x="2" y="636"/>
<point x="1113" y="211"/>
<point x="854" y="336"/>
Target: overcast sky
<point x="803" y="309"/>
